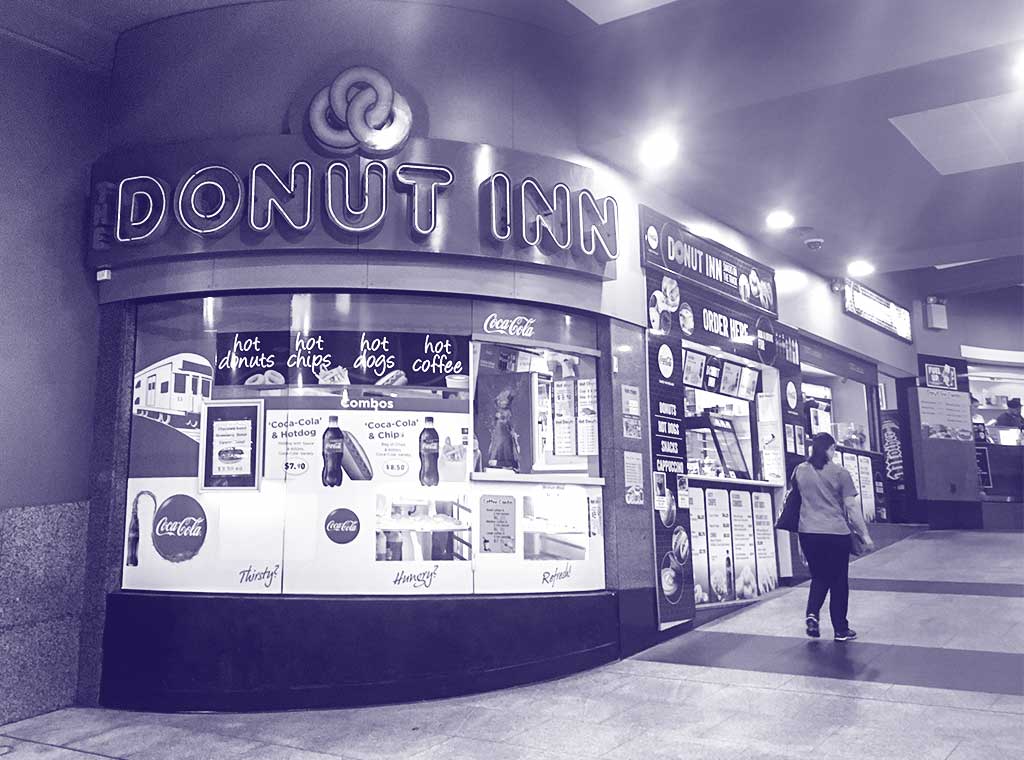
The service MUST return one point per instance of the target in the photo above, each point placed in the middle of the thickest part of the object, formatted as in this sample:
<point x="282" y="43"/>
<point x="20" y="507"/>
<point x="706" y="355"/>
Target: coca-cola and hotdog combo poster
<point x="344" y="462"/>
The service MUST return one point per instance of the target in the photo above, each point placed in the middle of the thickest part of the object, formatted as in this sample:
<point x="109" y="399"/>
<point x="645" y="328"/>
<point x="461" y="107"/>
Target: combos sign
<point x="674" y="250"/>
<point x="345" y="188"/>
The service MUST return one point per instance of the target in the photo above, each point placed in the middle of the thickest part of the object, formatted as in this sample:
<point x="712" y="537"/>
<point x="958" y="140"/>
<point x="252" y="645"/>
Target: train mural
<point x="172" y="391"/>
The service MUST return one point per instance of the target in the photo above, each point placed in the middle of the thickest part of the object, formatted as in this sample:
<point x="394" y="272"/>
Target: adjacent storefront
<point x="719" y="367"/>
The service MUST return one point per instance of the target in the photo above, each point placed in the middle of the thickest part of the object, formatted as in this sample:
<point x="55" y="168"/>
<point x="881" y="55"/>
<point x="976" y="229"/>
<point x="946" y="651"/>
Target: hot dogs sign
<point x="271" y="192"/>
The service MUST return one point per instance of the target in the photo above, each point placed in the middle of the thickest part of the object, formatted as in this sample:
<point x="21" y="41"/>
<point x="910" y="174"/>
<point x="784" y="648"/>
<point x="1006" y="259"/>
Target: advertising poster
<point x="631" y="400"/>
<point x="764" y="540"/>
<point x="720" y="559"/>
<point x="674" y="555"/>
<point x="699" y="536"/>
<point x="744" y="559"/>
<point x="666" y="402"/>
<point x="790" y="439"/>
<point x="565" y="418"/>
<point x="633" y="477"/>
<point x="181" y="539"/>
<point x="231" y="445"/>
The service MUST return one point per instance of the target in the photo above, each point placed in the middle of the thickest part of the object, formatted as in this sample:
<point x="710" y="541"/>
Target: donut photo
<point x="680" y="545"/>
<point x="686" y="322"/>
<point x="744" y="287"/>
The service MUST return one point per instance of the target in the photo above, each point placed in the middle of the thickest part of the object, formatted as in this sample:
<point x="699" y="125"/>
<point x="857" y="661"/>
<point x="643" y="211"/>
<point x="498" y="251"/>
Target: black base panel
<point x="181" y="652"/>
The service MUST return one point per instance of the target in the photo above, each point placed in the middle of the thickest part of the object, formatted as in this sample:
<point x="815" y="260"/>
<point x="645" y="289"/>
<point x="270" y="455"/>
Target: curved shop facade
<point x="355" y="398"/>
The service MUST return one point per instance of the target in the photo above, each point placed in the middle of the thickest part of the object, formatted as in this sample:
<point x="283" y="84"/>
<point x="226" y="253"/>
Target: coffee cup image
<point x="680" y="545"/>
<point x="686" y="322"/>
<point x="671" y="579"/>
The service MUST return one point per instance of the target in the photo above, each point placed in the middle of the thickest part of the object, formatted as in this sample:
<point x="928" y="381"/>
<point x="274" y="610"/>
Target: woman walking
<point x="829" y="512"/>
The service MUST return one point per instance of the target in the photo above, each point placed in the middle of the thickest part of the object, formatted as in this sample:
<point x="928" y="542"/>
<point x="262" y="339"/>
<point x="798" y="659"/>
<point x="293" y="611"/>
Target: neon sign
<point x="356" y="199"/>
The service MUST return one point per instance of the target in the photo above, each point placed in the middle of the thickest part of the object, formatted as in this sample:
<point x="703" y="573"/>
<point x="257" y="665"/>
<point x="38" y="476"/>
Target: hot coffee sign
<point x="358" y="183"/>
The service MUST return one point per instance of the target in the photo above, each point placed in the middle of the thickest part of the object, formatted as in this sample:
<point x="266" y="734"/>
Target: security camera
<point x="814" y="243"/>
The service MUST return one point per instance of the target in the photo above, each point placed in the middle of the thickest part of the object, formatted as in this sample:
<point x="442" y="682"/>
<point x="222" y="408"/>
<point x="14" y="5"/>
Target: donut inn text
<point x="353" y="198"/>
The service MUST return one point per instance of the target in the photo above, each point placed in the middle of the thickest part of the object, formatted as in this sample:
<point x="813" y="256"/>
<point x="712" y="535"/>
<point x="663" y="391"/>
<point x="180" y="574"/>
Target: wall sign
<point x="669" y="247"/>
<point x="877" y="310"/>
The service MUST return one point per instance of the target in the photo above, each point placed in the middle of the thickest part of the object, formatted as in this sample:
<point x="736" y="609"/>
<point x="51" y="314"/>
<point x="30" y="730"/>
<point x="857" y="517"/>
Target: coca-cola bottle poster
<point x="203" y="541"/>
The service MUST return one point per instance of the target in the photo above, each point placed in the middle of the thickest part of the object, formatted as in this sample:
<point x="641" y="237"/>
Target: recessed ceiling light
<point x="779" y="219"/>
<point x="860" y="268"/>
<point x="659" y="149"/>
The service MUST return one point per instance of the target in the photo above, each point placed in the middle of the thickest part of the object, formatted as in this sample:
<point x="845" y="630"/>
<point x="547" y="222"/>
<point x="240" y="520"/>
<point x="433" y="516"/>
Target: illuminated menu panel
<point x="876" y="309"/>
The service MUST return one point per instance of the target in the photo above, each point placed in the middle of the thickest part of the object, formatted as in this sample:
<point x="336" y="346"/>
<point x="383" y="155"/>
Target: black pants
<point x="828" y="557"/>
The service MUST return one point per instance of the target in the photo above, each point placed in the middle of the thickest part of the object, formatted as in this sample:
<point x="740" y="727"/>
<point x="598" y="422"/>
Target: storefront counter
<point x="178" y="652"/>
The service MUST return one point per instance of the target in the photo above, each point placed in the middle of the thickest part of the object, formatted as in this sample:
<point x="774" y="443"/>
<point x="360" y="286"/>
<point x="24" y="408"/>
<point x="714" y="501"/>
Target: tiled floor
<point x="887" y="696"/>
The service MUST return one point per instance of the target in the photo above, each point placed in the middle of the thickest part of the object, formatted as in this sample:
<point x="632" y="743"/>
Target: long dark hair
<point x="820" y="444"/>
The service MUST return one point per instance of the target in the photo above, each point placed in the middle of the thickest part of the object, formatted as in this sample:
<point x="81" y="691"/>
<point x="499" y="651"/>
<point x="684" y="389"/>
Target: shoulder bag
<point x="790" y="517"/>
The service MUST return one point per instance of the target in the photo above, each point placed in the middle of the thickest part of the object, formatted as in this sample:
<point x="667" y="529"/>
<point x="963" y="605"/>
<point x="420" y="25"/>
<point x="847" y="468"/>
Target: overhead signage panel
<point x="671" y="248"/>
<point x="877" y="310"/>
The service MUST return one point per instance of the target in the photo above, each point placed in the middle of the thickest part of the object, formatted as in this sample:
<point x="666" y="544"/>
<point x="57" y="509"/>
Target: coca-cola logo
<point x="179" y="528"/>
<point x="342" y="526"/>
<point x="515" y="327"/>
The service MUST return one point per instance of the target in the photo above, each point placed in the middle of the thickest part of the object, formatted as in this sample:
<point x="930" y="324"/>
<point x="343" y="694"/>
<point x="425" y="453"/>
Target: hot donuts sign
<point x="354" y="179"/>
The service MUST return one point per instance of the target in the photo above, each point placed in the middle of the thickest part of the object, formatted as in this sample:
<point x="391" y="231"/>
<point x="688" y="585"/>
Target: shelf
<point x="737" y="481"/>
<point x="419" y="527"/>
<point x="533" y="477"/>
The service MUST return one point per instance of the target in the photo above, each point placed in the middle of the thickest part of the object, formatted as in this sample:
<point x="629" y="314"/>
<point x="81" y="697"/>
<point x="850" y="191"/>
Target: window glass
<point x="366" y="444"/>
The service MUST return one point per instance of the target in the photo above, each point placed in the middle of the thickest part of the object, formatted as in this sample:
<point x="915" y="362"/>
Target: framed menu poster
<point x="231" y="445"/>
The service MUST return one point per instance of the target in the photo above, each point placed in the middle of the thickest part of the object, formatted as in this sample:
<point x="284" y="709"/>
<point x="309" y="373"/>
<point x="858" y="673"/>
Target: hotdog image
<point x="354" y="460"/>
<point x="395" y="377"/>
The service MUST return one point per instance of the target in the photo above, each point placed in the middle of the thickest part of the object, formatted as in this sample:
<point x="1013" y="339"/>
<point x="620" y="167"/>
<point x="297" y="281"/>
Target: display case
<point x="714" y="448"/>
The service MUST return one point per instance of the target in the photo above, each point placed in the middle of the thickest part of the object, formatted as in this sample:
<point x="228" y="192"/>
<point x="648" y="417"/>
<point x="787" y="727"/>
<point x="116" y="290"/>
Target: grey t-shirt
<point x="821" y="498"/>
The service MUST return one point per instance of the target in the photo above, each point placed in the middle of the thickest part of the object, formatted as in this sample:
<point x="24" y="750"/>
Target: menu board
<point x="852" y="466"/>
<point x="744" y="561"/>
<point x="764" y="538"/>
<point x="877" y="310"/>
<point x="699" y="535"/>
<point x="720" y="561"/>
<point x="693" y="369"/>
<point x="586" y="417"/>
<point x="866" y="486"/>
<point x="730" y="382"/>
<point x="565" y="418"/>
<point x="231" y="445"/>
<point x="945" y="414"/>
<point x="497" y="524"/>
<point x="748" y="383"/>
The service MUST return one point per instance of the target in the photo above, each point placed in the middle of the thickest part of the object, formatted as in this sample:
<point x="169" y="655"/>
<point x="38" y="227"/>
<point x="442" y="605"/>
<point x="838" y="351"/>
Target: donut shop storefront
<point x="358" y="416"/>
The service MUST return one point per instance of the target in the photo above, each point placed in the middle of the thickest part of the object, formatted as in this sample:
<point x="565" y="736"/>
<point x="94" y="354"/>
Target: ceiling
<point x="890" y="128"/>
<point x="893" y="129"/>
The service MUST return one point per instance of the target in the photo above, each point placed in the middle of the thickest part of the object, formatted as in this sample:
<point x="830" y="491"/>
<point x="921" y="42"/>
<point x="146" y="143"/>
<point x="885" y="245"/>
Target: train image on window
<point x="172" y="391"/>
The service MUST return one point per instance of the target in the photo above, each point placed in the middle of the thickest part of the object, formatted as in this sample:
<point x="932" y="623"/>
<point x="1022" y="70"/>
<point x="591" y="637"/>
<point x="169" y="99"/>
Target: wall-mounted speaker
<point x="935" y="315"/>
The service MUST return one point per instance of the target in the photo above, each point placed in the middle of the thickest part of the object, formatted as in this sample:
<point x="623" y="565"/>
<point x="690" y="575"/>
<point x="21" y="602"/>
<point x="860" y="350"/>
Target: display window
<point x="359" y="444"/>
<point x="995" y="404"/>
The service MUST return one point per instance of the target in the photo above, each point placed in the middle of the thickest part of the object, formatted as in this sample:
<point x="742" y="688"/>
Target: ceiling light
<point x="779" y="219"/>
<point x="789" y="281"/>
<point x="1018" y="68"/>
<point x="659" y="149"/>
<point x="860" y="268"/>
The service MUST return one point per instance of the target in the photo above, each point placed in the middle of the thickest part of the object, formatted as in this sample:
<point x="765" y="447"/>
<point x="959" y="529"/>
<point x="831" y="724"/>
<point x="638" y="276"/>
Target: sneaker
<point x="812" y="627"/>
<point x="848" y="635"/>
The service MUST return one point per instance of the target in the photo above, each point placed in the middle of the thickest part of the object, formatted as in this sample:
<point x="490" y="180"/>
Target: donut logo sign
<point x="179" y="528"/>
<point x="342" y="526"/>
<point x="360" y="112"/>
